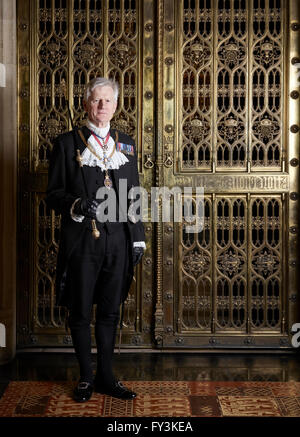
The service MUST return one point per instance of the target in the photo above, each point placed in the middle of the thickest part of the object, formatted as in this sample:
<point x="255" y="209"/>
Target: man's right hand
<point x="86" y="207"/>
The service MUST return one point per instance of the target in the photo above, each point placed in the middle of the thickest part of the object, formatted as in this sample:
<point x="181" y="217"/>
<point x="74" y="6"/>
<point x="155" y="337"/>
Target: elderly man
<point x="96" y="255"/>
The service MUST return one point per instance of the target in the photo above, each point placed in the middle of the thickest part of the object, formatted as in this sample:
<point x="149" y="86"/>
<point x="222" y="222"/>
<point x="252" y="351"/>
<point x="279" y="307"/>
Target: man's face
<point x="101" y="105"/>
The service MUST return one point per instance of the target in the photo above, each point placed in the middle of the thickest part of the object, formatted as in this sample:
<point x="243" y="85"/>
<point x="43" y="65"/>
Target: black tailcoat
<point x="65" y="185"/>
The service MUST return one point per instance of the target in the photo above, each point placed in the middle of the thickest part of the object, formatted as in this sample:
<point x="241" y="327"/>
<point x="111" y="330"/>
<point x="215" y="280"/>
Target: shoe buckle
<point x="83" y="385"/>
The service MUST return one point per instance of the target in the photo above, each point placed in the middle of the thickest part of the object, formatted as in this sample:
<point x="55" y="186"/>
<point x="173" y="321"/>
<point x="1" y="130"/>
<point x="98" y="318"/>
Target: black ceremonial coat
<point x="65" y="185"/>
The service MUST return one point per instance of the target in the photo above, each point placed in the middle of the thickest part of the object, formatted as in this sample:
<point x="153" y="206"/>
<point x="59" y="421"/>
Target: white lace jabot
<point x="90" y="159"/>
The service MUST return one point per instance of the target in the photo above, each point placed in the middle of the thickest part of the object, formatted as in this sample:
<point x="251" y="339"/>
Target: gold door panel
<point x="209" y="91"/>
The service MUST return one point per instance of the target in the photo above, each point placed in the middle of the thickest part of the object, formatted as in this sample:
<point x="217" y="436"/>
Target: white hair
<point x="100" y="81"/>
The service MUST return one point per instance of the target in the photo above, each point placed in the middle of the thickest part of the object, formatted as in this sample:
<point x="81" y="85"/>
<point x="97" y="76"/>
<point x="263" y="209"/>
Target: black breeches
<point x="97" y="271"/>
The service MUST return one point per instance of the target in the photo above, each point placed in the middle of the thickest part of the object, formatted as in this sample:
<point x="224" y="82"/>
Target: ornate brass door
<point x="224" y="124"/>
<point x="209" y="91"/>
<point x="63" y="44"/>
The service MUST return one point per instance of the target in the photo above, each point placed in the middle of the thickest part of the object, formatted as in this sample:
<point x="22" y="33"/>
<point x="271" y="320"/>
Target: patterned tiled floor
<point x="156" y="399"/>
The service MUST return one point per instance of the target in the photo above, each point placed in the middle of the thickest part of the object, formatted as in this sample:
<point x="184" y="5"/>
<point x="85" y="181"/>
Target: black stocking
<point x="81" y="337"/>
<point x="105" y="333"/>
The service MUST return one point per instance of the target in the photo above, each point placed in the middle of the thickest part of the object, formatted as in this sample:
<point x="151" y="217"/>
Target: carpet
<point x="156" y="399"/>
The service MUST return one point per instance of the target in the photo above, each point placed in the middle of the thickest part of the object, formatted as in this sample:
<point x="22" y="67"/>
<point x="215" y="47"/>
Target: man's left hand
<point x="138" y="252"/>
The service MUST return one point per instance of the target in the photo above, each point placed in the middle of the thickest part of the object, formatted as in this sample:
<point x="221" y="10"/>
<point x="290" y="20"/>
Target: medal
<point x="107" y="180"/>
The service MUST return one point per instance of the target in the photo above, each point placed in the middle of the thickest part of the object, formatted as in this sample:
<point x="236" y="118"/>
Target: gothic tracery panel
<point x="52" y="67"/>
<point x="196" y="85"/>
<point x="267" y="82"/>
<point x="72" y="49"/>
<point x="215" y="291"/>
<point x="266" y="263"/>
<point x="47" y="314"/>
<point x="122" y="50"/>
<point x="87" y="50"/>
<point x="196" y="274"/>
<point x="231" y="263"/>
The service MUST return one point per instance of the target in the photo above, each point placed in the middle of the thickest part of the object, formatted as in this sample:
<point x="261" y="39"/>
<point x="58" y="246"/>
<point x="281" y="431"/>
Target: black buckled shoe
<point x="83" y="392"/>
<point x="116" y="390"/>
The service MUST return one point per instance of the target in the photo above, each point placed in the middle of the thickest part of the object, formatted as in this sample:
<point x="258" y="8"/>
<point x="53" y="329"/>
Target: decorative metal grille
<point x="52" y="56"/>
<point x="196" y="282"/>
<point x="267" y="309"/>
<point x="47" y="314"/>
<point x="217" y="262"/>
<point x="231" y="85"/>
<point x="231" y="263"/>
<point x="86" y="53"/>
<point x="72" y="50"/>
